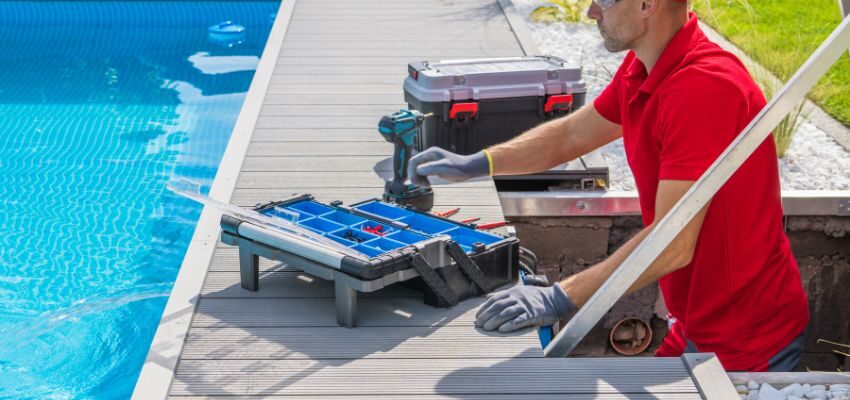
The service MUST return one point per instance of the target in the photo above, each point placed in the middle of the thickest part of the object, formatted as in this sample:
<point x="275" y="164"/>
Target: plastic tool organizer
<point x="448" y="260"/>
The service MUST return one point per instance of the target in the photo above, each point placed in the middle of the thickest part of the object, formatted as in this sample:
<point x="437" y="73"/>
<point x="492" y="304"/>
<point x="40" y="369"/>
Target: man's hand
<point x="522" y="306"/>
<point x="447" y="165"/>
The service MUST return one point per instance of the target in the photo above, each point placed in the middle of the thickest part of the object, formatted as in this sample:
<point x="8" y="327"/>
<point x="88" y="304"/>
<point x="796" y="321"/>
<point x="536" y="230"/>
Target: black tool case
<point x="448" y="260"/>
<point x="477" y="103"/>
<point x="480" y="102"/>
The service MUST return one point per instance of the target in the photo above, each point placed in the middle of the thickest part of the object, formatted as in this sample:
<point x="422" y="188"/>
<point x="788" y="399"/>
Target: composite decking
<point x="340" y="67"/>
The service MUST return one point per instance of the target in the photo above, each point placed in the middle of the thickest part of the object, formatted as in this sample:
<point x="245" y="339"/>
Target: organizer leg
<point x="249" y="267"/>
<point x="346" y="304"/>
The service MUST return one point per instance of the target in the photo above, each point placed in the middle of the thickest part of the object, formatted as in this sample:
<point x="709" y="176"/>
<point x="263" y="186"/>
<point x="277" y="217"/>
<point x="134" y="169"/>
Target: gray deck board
<point x="395" y="100"/>
<point x="319" y="180"/>
<point x="313" y="110"/>
<point x="558" y="396"/>
<point x="335" y="343"/>
<point x="427" y="376"/>
<point x="341" y="67"/>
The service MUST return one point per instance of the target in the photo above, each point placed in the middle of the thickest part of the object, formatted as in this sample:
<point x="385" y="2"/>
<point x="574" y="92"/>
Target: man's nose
<point x="594" y="12"/>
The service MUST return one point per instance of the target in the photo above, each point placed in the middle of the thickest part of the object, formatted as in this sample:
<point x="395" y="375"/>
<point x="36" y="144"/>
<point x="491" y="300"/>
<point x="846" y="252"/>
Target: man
<point x="678" y="100"/>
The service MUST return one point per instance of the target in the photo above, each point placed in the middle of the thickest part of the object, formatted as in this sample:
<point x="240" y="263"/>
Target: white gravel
<point x="813" y="162"/>
<point x="796" y="391"/>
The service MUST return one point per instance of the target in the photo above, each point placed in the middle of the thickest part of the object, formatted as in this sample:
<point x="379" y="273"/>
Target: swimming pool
<point x="101" y="104"/>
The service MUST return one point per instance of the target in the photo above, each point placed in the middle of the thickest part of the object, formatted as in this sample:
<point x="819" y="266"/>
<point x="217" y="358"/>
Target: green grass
<point x="781" y="35"/>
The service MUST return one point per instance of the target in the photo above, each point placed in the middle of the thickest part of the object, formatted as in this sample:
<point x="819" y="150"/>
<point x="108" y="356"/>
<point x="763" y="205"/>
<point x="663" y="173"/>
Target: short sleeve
<point x="698" y="118"/>
<point x="608" y="103"/>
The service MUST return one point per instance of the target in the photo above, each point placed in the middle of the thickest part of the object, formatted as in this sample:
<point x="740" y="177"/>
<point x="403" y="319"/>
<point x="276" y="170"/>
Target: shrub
<point x="562" y="11"/>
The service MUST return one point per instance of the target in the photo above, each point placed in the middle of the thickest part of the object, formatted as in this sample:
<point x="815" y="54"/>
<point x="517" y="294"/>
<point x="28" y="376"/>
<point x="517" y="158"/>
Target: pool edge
<point x="164" y="352"/>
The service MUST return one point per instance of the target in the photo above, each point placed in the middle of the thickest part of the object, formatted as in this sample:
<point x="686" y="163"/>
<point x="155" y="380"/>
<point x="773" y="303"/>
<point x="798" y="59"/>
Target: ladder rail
<point x="701" y="192"/>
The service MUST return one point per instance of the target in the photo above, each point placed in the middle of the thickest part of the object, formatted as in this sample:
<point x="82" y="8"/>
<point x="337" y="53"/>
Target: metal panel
<point x="613" y="203"/>
<point x="569" y="203"/>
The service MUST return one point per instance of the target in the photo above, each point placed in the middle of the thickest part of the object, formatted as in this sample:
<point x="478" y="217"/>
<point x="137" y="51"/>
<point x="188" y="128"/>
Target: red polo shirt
<point x="741" y="297"/>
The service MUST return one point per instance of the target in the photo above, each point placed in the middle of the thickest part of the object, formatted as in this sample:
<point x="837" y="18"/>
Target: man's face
<point x="620" y="25"/>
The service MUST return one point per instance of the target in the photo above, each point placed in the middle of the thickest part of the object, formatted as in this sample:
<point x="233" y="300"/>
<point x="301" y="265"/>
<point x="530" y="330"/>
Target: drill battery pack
<point x="481" y="102"/>
<point x="447" y="260"/>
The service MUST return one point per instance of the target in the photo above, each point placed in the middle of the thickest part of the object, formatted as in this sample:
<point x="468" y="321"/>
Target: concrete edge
<point x="836" y="130"/>
<point x="158" y="370"/>
<point x="521" y="31"/>
<point x="623" y="203"/>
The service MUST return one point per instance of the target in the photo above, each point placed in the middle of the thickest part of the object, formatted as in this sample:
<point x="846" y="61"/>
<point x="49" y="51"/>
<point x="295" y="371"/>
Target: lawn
<point x="781" y="34"/>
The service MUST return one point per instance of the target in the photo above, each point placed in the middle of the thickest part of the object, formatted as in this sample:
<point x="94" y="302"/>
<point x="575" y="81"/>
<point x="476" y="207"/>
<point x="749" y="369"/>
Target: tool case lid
<point x="492" y="78"/>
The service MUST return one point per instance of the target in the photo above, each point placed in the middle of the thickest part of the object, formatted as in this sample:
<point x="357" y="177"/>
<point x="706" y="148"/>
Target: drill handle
<point x="403" y="152"/>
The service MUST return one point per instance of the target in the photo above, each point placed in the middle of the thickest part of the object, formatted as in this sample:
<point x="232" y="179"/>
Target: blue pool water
<point x="101" y="104"/>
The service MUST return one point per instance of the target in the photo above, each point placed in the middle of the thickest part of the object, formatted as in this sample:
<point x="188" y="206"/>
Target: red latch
<point x="414" y="74"/>
<point x="561" y="102"/>
<point x="463" y="110"/>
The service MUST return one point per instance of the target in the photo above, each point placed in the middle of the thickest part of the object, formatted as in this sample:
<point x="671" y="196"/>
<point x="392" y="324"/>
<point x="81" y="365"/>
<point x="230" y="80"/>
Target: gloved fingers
<point x="500" y="295"/>
<point x="418" y="180"/>
<point x="442" y="168"/>
<point x="429" y="155"/>
<point x="503" y="316"/>
<point x="492" y="310"/>
<point x="521" y="321"/>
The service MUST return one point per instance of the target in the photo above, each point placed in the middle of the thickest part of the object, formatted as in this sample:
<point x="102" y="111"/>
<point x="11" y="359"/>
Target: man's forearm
<point x="676" y="255"/>
<point x="581" y="286"/>
<point x="538" y="149"/>
<point x="554" y="142"/>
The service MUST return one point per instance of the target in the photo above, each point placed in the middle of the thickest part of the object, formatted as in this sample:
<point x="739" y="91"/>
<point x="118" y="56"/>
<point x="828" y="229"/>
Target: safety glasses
<point x="605" y="4"/>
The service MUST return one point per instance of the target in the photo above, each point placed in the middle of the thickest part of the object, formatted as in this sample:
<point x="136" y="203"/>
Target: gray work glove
<point x="522" y="306"/>
<point x="447" y="165"/>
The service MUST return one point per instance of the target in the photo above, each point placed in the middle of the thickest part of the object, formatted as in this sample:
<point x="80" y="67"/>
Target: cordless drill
<point x="400" y="128"/>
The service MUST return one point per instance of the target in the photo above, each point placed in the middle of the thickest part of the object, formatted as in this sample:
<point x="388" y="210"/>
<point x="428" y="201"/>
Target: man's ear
<point x="648" y="7"/>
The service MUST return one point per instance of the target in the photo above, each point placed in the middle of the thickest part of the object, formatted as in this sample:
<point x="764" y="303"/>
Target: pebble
<point x="814" y="160"/>
<point x="768" y="392"/>
<point x="793" y="390"/>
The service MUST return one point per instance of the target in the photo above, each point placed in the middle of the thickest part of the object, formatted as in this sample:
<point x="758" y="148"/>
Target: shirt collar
<point x="670" y="58"/>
